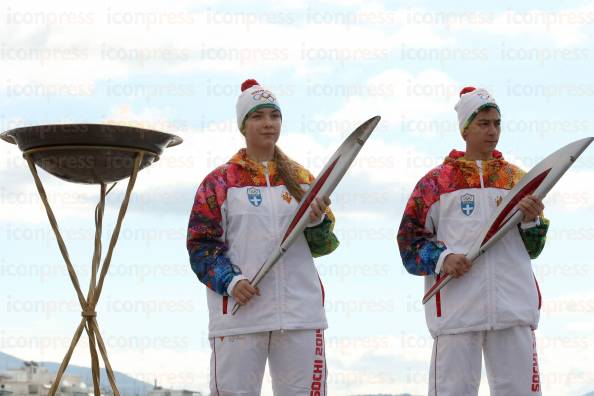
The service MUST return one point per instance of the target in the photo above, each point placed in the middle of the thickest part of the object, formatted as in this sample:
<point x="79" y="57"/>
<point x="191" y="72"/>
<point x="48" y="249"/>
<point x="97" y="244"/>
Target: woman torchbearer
<point x="240" y="211"/>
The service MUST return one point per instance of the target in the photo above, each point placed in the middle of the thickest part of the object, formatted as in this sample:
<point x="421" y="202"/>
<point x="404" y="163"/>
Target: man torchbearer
<point x="492" y="308"/>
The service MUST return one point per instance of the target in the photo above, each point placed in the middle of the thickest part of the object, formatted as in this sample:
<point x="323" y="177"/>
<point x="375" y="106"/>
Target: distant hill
<point x="385" y="394"/>
<point x="127" y="385"/>
<point x="8" y="362"/>
<point x="589" y="394"/>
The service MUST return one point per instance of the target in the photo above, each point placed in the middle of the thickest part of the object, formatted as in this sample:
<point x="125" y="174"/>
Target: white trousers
<point x="296" y="361"/>
<point x="510" y="360"/>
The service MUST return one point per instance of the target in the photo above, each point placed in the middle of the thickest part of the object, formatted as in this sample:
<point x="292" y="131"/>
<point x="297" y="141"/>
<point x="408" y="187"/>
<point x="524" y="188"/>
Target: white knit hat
<point x="473" y="100"/>
<point x="252" y="98"/>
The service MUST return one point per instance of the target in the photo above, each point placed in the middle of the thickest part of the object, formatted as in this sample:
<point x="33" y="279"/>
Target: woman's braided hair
<point x="287" y="171"/>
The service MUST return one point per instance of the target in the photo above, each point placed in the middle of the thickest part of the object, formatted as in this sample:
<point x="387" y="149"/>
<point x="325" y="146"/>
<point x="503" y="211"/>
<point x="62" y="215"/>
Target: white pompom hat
<point x="472" y="100"/>
<point x="252" y="98"/>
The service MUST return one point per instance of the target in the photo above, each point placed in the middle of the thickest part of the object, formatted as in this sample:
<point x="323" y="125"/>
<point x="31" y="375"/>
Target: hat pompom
<point x="248" y="84"/>
<point x="466" y="90"/>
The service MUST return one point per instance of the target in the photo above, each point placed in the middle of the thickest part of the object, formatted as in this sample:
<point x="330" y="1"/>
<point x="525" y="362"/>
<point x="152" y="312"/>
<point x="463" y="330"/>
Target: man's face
<point x="482" y="134"/>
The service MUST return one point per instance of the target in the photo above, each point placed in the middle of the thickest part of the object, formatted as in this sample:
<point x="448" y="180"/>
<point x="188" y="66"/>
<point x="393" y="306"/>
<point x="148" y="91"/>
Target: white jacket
<point x="229" y="239"/>
<point x="448" y="209"/>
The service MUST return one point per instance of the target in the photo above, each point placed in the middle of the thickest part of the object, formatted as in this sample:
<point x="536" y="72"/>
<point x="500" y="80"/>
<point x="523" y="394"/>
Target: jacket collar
<point x="241" y="159"/>
<point x="492" y="166"/>
<point x="458" y="155"/>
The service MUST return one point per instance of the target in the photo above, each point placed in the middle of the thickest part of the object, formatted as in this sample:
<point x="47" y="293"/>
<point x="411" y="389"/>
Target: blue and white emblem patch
<point x="254" y="196"/>
<point x="467" y="204"/>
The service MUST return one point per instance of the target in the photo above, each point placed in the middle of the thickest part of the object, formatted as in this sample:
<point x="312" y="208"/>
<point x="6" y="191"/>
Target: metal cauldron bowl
<point x="90" y="153"/>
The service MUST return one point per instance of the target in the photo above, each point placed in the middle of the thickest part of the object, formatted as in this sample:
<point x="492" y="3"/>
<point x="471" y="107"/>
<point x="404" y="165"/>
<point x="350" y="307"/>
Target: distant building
<point x="34" y="380"/>
<point x="3" y="390"/>
<point x="160" y="391"/>
<point x="383" y="394"/>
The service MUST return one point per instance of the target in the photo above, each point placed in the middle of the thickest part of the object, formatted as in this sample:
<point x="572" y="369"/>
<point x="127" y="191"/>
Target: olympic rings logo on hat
<point x="483" y="95"/>
<point x="264" y="95"/>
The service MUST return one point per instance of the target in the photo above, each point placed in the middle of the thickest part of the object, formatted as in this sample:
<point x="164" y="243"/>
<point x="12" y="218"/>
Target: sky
<point x="332" y="64"/>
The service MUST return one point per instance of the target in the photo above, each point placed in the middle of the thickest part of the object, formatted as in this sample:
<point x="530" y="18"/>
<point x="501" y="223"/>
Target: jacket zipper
<point x="275" y="233"/>
<point x="225" y="304"/>
<point x="490" y="275"/>
<point x="438" y="299"/>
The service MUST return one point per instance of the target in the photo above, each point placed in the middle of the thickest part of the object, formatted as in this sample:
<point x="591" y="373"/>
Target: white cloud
<point x="52" y="48"/>
<point x="20" y="200"/>
<point x="574" y="192"/>
<point x="561" y="27"/>
<point x="185" y="164"/>
<point x="104" y="41"/>
<point x="402" y="95"/>
<point x="378" y="363"/>
<point x="380" y="161"/>
<point x="387" y="165"/>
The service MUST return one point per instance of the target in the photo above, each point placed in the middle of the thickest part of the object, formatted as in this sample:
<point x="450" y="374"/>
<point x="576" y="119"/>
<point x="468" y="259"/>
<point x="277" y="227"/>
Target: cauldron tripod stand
<point x="53" y="145"/>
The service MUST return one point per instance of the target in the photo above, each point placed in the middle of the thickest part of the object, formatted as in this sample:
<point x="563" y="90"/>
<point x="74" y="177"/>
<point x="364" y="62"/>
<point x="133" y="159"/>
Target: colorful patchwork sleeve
<point x="534" y="238"/>
<point x="321" y="238"/>
<point x="418" y="246"/>
<point x="205" y="243"/>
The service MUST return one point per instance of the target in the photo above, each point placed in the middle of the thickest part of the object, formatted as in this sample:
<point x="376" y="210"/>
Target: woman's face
<point x="262" y="128"/>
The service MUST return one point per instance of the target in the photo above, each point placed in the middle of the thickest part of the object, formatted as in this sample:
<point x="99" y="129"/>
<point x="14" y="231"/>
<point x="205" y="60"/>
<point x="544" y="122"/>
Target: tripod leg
<point x="64" y="364"/>
<point x="108" y="368"/>
<point x="116" y="231"/>
<point x="54" y="224"/>
<point x="95" y="370"/>
<point x="99" y="210"/>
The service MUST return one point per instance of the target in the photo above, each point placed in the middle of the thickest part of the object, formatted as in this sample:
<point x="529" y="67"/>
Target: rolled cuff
<point x="233" y="282"/>
<point x="441" y="259"/>
<point x="311" y="224"/>
<point x="530" y="224"/>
